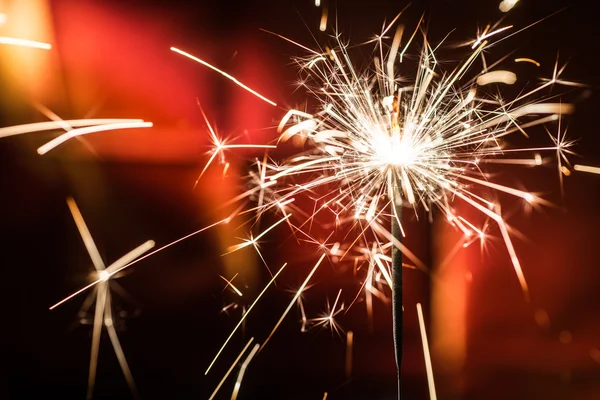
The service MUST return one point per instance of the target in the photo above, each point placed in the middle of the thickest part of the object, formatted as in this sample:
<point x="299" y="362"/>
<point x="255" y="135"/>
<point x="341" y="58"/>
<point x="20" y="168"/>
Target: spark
<point x="507" y="5"/>
<point x="296" y="296"/>
<point x="90" y="129"/>
<point x="349" y="350"/>
<point x="230" y="284"/>
<point x="243" y="318"/>
<point x="428" y="368"/>
<point x="103" y="312"/>
<point x="116" y="268"/>
<point x="323" y="24"/>
<point x="220" y="145"/>
<point x="506" y="77"/>
<point x="238" y="382"/>
<point x="529" y="60"/>
<point x="586" y="168"/>
<point x="212" y="396"/>
<point x="328" y="317"/>
<point x="226" y="75"/>
<point x="253" y="241"/>
<point x="61" y="124"/>
<point x="25" y="43"/>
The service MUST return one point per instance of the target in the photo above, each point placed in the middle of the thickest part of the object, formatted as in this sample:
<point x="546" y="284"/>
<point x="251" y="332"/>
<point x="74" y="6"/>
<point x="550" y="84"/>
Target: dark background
<point x="112" y="59"/>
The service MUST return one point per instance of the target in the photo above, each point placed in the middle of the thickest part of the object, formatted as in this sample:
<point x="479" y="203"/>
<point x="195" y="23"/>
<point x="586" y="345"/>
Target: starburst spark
<point x="103" y="315"/>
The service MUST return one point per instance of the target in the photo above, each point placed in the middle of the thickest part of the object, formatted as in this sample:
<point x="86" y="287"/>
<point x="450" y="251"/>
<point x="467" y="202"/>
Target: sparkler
<point x="375" y="144"/>
<point x="397" y="134"/>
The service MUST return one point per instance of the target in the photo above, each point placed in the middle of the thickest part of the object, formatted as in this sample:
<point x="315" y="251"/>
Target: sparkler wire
<point x="397" y="314"/>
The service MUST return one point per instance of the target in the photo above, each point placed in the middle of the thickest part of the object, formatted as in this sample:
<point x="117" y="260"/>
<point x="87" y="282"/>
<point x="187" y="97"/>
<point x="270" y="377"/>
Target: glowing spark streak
<point x="394" y="53"/>
<point x="542" y="108"/>
<point x="479" y="232"/>
<point x="428" y="368"/>
<point x="507" y="5"/>
<point x="506" y="77"/>
<point x="411" y="256"/>
<point x="529" y="60"/>
<point x="288" y="115"/>
<point x="253" y="241"/>
<point x="507" y="241"/>
<point x="383" y="269"/>
<point x="298" y="293"/>
<point x="302" y="166"/>
<point x="586" y="168"/>
<point x="314" y="61"/>
<point x="309" y="124"/>
<point x="335" y="304"/>
<point x="244" y="317"/>
<point x="91" y="129"/>
<point x="238" y="382"/>
<point x="24" y="43"/>
<point x="411" y="38"/>
<point x="317" y="3"/>
<point x="231" y="284"/>
<point x="505" y="189"/>
<point x="112" y="334"/>
<point x="285" y="203"/>
<point x="230" y="369"/>
<point x="349" y="348"/>
<point x="226" y="75"/>
<point x="291" y="41"/>
<point x="103" y="304"/>
<point x="487" y="35"/>
<point x="102" y="279"/>
<point x="323" y="25"/>
<point x="46" y="126"/>
<point x="96" y="332"/>
<point x="86" y="236"/>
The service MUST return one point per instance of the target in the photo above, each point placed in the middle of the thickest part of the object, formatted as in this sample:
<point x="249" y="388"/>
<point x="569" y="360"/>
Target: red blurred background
<point x="112" y="59"/>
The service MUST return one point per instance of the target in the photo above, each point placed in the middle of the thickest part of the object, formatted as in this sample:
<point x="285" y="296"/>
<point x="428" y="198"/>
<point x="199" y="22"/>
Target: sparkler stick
<point x="397" y="309"/>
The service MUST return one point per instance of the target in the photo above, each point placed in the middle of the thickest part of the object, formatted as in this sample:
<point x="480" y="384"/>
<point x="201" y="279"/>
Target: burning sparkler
<point x="375" y="144"/>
